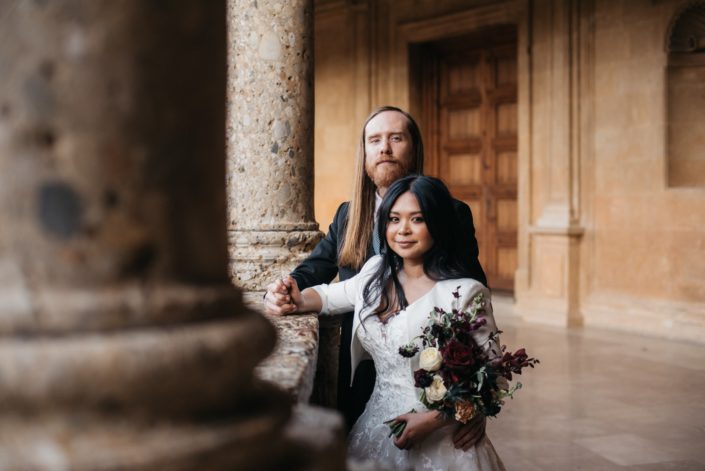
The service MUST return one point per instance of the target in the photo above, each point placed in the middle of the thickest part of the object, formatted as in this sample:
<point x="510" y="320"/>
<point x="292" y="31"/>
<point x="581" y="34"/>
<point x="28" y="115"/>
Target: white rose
<point x="430" y="359"/>
<point x="436" y="390"/>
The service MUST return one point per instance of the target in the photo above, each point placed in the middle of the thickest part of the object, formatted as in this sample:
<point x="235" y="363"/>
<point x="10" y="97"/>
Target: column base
<point x="178" y="371"/>
<point x="251" y="440"/>
<point x="70" y="310"/>
<point x="259" y="257"/>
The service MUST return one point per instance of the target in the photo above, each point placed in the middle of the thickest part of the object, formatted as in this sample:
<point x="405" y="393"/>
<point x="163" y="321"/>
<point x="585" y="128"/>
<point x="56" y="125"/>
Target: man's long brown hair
<point x="361" y="213"/>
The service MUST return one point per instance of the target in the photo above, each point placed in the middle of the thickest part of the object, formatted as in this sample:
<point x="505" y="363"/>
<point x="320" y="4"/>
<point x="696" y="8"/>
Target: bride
<point x="418" y="269"/>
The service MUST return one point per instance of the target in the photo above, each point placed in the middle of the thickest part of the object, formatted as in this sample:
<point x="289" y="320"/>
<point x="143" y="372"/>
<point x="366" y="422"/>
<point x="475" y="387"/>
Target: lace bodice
<point x="395" y="394"/>
<point x="382" y="342"/>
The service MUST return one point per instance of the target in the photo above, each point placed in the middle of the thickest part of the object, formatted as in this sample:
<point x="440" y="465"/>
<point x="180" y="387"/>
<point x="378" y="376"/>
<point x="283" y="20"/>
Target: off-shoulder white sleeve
<point x="341" y="297"/>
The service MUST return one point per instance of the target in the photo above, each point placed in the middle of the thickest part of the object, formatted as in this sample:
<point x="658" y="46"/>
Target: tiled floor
<point x="602" y="400"/>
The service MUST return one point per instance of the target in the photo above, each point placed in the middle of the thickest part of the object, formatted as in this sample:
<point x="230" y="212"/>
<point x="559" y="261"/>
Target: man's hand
<point x="467" y="435"/>
<point x="278" y="299"/>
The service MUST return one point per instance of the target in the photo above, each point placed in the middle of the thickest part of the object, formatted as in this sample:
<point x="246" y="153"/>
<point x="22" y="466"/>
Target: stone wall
<point x="342" y="85"/>
<point x="646" y="258"/>
<point x="603" y="239"/>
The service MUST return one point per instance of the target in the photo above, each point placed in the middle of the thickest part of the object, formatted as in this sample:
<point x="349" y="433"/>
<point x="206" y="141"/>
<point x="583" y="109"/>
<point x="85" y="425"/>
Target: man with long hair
<point x="390" y="148"/>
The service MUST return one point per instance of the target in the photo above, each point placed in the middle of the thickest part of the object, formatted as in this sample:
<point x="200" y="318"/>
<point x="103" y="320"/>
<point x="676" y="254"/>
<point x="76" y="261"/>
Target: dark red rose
<point x="451" y="377"/>
<point x="422" y="378"/>
<point x="458" y="356"/>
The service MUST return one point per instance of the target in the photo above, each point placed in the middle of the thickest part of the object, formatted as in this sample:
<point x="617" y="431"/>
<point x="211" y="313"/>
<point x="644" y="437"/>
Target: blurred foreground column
<point x="123" y="344"/>
<point x="270" y="138"/>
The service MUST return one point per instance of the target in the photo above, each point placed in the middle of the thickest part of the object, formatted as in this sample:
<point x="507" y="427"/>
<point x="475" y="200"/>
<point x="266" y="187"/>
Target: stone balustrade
<point x="304" y="362"/>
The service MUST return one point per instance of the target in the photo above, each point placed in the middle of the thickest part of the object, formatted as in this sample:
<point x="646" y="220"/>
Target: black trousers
<point x="353" y="399"/>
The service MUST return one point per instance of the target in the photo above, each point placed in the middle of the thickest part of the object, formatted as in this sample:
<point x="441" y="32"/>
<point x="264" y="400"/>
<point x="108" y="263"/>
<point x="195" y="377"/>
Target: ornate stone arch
<point x="686" y="32"/>
<point x="685" y="95"/>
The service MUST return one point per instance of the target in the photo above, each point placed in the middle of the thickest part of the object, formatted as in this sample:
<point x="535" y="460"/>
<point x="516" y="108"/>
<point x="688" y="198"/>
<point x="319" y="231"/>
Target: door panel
<point x="469" y="116"/>
<point x="464" y="169"/>
<point x="463" y="123"/>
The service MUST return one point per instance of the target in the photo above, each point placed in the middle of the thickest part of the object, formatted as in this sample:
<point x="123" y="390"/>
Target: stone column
<point x="548" y="281"/>
<point x="270" y="138"/>
<point x="123" y="344"/>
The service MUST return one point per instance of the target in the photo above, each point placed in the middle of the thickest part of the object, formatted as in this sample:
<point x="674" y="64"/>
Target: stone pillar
<point x="123" y="344"/>
<point x="270" y="138"/>
<point x="548" y="276"/>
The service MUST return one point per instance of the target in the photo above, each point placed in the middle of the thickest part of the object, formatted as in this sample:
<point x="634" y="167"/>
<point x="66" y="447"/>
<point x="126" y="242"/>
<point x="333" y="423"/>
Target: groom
<point x="390" y="148"/>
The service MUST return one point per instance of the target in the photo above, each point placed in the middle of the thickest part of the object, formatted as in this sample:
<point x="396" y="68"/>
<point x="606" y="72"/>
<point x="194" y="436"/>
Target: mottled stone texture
<point x="110" y="161"/>
<point x="270" y="138"/>
<point x="292" y="365"/>
<point x="123" y="344"/>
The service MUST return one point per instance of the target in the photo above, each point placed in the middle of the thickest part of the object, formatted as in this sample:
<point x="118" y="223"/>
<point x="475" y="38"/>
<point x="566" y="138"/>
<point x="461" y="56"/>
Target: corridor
<point x="601" y="400"/>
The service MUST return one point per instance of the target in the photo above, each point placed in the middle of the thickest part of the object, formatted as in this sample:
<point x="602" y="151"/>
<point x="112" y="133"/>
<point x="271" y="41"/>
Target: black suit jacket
<point x="322" y="266"/>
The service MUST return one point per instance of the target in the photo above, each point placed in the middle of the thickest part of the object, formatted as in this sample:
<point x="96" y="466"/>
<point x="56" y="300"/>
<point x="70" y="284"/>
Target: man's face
<point x="388" y="149"/>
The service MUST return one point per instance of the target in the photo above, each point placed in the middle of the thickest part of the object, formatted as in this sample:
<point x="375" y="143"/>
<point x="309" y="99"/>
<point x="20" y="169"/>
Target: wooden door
<point x="469" y="116"/>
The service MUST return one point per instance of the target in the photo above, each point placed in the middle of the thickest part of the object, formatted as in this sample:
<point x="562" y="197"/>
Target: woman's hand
<point x="419" y="425"/>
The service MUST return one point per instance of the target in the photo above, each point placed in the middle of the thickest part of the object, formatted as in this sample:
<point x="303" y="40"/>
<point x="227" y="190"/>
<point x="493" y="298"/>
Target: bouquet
<point x="459" y="377"/>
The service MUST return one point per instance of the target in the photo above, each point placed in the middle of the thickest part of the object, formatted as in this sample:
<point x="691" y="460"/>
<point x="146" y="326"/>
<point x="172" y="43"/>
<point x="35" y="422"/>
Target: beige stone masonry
<point x="270" y="138"/>
<point x="270" y="179"/>
<point x="548" y="272"/>
<point x="610" y="195"/>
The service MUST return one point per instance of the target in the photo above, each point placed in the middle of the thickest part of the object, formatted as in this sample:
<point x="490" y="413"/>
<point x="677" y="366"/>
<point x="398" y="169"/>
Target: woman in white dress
<point x="393" y="295"/>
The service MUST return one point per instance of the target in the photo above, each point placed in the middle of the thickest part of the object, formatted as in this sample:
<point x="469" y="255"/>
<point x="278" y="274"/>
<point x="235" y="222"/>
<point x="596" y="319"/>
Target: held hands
<point x="283" y="297"/>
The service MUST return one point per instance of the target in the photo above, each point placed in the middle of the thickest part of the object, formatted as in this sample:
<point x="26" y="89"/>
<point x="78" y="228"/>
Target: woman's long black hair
<point x="446" y="259"/>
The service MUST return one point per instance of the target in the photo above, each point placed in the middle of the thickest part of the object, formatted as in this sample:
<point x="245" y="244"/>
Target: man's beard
<point x="384" y="175"/>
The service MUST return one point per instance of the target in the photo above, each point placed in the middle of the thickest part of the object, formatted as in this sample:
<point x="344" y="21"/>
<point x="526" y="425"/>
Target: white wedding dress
<point x="394" y="392"/>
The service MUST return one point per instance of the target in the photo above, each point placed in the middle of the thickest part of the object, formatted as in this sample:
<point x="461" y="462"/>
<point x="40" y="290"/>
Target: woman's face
<point x="407" y="234"/>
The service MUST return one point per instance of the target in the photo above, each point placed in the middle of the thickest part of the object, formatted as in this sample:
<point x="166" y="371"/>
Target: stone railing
<point x="305" y="360"/>
<point x="292" y="365"/>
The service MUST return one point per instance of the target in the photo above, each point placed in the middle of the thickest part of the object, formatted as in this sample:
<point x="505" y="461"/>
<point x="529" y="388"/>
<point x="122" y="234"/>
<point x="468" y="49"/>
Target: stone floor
<point x="601" y="400"/>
